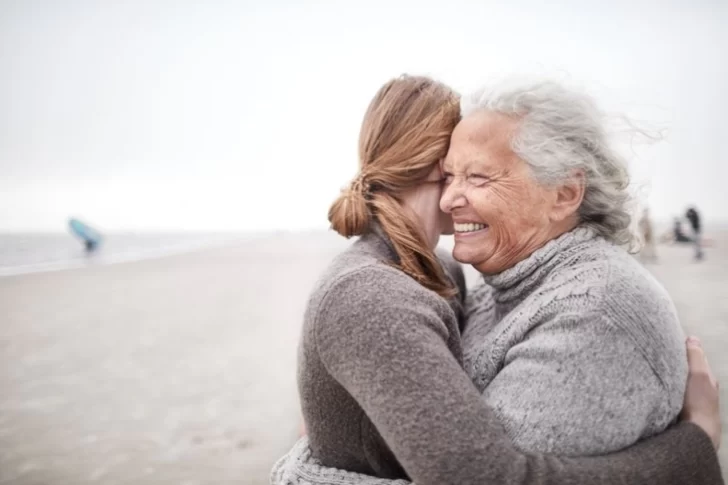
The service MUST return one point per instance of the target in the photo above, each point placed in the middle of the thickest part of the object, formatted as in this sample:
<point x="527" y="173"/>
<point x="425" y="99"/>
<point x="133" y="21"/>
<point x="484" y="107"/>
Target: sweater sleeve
<point x="387" y="346"/>
<point x="577" y="386"/>
<point x="683" y="454"/>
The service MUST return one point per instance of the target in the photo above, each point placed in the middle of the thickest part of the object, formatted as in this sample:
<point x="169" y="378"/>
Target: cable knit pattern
<point x="577" y="348"/>
<point x="578" y="351"/>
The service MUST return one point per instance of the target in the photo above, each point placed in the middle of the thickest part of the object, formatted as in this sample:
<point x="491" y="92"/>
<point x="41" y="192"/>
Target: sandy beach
<point x="181" y="370"/>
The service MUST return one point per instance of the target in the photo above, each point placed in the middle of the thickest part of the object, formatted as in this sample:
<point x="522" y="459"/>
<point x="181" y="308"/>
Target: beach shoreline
<point x="79" y="259"/>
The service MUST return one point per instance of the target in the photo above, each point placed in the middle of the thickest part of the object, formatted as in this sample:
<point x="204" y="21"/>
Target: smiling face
<point x="500" y="212"/>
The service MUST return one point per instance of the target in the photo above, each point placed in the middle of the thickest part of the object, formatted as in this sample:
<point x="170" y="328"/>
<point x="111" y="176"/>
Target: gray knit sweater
<point x="578" y="348"/>
<point x="587" y="345"/>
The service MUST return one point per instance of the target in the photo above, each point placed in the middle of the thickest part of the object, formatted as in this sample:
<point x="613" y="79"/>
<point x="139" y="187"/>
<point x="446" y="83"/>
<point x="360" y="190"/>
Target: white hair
<point x="562" y="130"/>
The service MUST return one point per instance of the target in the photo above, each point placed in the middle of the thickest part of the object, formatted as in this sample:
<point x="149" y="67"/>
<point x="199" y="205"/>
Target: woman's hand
<point x="701" y="396"/>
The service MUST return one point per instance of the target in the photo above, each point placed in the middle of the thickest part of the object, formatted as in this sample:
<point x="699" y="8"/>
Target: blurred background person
<point x="647" y="232"/>
<point x="693" y="217"/>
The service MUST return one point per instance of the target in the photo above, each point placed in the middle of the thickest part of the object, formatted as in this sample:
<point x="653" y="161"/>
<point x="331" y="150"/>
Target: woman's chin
<point x="486" y="269"/>
<point x="465" y="255"/>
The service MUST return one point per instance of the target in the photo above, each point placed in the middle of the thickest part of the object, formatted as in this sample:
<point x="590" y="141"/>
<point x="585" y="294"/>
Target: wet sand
<point x="181" y="370"/>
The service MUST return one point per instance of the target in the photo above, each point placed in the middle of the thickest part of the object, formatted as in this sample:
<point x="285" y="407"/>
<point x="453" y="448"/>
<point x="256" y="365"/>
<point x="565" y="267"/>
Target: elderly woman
<point x="571" y="345"/>
<point x="570" y="339"/>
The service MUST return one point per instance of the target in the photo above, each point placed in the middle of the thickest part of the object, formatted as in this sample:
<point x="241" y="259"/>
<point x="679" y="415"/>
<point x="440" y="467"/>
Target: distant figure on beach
<point x="649" y="248"/>
<point x="569" y="347"/>
<point x="89" y="236"/>
<point x="677" y="232"/>
<point x="693" y="217"/>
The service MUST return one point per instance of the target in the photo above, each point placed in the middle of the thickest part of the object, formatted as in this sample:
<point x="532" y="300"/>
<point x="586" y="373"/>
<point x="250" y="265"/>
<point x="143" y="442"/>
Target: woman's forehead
<point x="481" y="138"/>
<point x="482" y="155"/>
<point x="483" y="126"/>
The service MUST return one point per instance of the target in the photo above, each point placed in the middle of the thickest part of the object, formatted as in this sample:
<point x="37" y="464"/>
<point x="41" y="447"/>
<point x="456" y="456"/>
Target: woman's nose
<point x="451" y="198"/>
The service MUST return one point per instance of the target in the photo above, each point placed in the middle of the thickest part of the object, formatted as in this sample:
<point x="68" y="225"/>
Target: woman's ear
<point x="569" y="196"/>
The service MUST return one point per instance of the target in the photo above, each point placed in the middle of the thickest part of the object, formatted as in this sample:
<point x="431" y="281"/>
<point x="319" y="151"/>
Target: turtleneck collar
<point x="516" y="281"/>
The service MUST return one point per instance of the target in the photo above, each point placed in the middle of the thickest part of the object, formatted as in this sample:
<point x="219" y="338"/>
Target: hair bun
<point x="350" y="214"/>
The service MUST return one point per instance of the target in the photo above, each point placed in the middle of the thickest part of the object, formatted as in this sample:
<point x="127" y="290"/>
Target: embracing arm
<point x="681" y="455"/>
<point x="396" y="364"/>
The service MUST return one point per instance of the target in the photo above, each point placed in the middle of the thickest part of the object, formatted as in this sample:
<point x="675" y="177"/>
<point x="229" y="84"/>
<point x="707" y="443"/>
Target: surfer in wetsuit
<point x="89" y="236"/>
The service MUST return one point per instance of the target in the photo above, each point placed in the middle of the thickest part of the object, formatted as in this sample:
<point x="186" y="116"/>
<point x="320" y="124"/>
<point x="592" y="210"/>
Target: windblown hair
<point x="405" y="133"/>
<point x="562" y="131"/>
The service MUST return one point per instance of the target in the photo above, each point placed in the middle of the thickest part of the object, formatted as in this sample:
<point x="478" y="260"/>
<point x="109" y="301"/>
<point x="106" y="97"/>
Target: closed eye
<point x="447" y="178"/>
<point x="478" y="179"/>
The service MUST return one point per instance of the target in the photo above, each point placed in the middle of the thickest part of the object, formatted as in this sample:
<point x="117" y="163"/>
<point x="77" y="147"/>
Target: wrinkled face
<point x="424" y="200"/>
<point x="501" y="213"/>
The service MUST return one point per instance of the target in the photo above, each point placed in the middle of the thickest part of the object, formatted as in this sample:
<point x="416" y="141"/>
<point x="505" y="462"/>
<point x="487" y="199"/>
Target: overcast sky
<point x="154" y="115"/>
